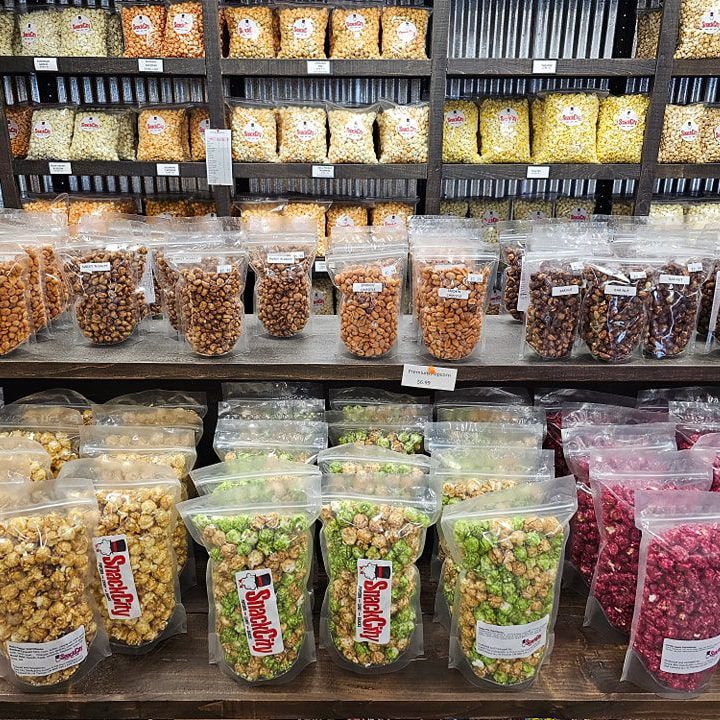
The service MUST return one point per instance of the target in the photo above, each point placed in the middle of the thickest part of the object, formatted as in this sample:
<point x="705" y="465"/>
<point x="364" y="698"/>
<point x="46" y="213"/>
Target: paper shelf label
<point x="320" y="266"/>
<point x="544" y="67"/>
<point x="429" y="376"/>
<point x="538" y="172"/>
<point x="60" y="168"/>
<point x="151" y="65"/>
<point x="46" y="64"/>
<point x="318" y="67"/>
<point x="168" y="170"/>
<point x="326" y="172"/>
<point x="218" y="157"/>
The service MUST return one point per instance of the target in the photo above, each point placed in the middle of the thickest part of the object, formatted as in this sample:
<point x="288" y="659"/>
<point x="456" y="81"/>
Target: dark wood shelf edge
<point x="572" y="171"/>
<point x="123" y="167"/>
<point x="700" y="170"/>
<point x="585" y="67"/>
<point x="300" y="170"/>
<point x="699" y="67"/>
<point x="102" y="66"/>
<point x="341" y="68"/>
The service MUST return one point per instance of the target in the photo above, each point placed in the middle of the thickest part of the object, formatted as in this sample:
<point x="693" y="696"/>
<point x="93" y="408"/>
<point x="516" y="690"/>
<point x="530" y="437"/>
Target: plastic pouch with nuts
<point x="451" y="288"/>
<point x="50" y="627"/>
<point x="460" y="132"/>
<point x="16" y="318"/>
<point x="404" y="133"/>
<point x="19" y="124"/>
<point x="282" y="264"/>
<point x="569" y="122"/>
<point x="497" y="638"/>
<point x="38" y="32"/>
<point x="136" y="585"/>
<point x="621" y="128"/>
<point x="370" y="281"/>
<point x="95" y="136"/>
<point x="51" y="133"/>
<point x="23" y="459"/>
<point x="60" y="397"/>
<point x="505" y="130"/>
<point x="513" y="239"/>
<point x="404" y="33"/>
<point x="183" y="35"/>
<point x="307" y="409"/>
<point x="355" y="31"/>
<point x="143" y="26"/>
<point x="163" y="134"/>
<point x="83" y="32"/>
<point x="373" y="531"/>
<point x="699" y="30"/>
<point x="290" y="440"/>
<point x="302" y="134"/>
<point x="680" y="141"/>
<point x="402" y="435"/>
<point x="252" y="31"/>
<point x="351" y="134"/>
<point x="259" y="536"/>
<point x="302" y="31"/>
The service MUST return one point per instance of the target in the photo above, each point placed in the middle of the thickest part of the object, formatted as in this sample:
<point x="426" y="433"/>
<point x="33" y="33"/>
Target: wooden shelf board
<point x="695" y="66"/>
<point x="102" y="66"/>
<point x="316" y="355"/>
<point x="305" y="170"/>
<point x="680" y="170"/>
<point x="338" y="68"/>
<point x="578" y="67"/>
<point x="123" y="167"/>
<point x="514" y="171"/>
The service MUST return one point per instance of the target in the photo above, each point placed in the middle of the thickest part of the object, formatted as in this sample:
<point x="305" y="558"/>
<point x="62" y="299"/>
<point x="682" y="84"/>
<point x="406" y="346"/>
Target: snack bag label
<point x="155" y="125"/>
<point x="490" y="217"/>
<point x="374" y="587"/>
<point x="142" y="25"/>
<point x="638" y="274"/>
<point x="710" y="22"/>
<point x="81" y="24"/>
<point x="261" y="619"/>
<point x="570" y="116"/>
<point x="367" y="287"/>
<point x="116" y="577"/>
<point x="355" y="23"/>
<point x="94" y="267"/>
<point x="344" y="221"/>
<point x="564" y="290"/>
<point x="407" y="128"/>
<point x="621" y="290"/>
<point x="690" y="131"/>
<point x="392" y="220"/>
<point x="42" y="659"/>
<point x="303" y="28"/>
<point x="13" y="128"/>
<point x="89" y="123"/>
<point x="406" y="32"/>
<point x="674" y="279"/>
<point x="29" y="33"/>
<point x="42" y="129"/>
<point x="354" y="129"/>
<point x="248" y="29"/>
<point x="683" y="657"/>
<point x="306" y="130"/>
<point x="455" y="118"/>
<point x="282" y="258"/>
<point x="183" y="23"/>
<point x="453" y="293"/>
<point x="203" y="125"/>
<point x="579" y="214"/>
<point x="510" y="642"/>
<point x="253" y="132"/>
<point x="508" y="118"/>
<point x="627" y="120"/>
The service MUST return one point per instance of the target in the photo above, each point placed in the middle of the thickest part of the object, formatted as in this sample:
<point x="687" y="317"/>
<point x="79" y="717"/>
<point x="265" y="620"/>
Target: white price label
<point x="168" y="170"/>
<point x="510" y="642"/>
<point x="714" y="313"/>
<point x="429" y="376"/>
<point x="453" y="293"/>
<point x="621" y="290"/>
<point x="538" y="172"/>
<point x="564" y="290"/>
<point x="389" y="270"/>
<point x="674" y="279"/>
<point x="218" y="157"/>
<point x="695" y="267"/>
<point x="94" y="267"/>
<point x="318" y="67"/>
<point x="476" y="278"/>
<point x="60" y="168"/>
<point x="326" y="172"/>
<point x="224" y="269"/>
<point x="638" y="274"/>
<point x="320" y="266"/>
<point x="45" y="64"/>
<point x="544" y="67"/>
<point x="577" y="266"/>
<point x="685" y="657"/>
<point x="151" y="65"/>
<point x="281" y="258"/>
<point x="367" y="287"/>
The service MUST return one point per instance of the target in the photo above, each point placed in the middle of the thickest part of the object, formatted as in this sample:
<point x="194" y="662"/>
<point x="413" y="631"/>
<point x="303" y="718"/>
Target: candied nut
<point x="648" y="34"/>
<point x="553" y="313"/>
<point x="302" y="31"/>
<point x="505" y="130"/>
<point x="167" y="279"/>
<point x="143" y="27"/>
<point x="369" y="308"/>
<point x="699" y="35"/>
<point x="96" y="136"/>
<point x="7" y="30"/>
<point x="38" y="33"/>
<point x="51" y="134"/>
<point x="460" y="132"/>
<point x="15" y="311"/>
<point x="254" y="134"/>
<point x="390" y="214"/>
<point x="199" y="123"/>
<point x="404" y="31"/>
<point x="19" y="121"/>
<point x="450" y="303"/>
<point x="680" y="140"/>
<point x="404" y="134"/>
<point x="355" y="33"/>
<point x="710" y="135"/>
<point x="163" y="135"/>
<point x="302" y="133"/>
<point x="57" y="292"/>
<point x="621" y="128"/>
<point x="252" y="32"/>
<point x="183" y="36"/>
<point x="513" y="258"/>
<point x="351" y="136"/>
<point x="83" y="32"/>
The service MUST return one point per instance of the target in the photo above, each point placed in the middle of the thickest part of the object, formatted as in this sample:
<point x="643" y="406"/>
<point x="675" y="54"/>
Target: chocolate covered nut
<point x="513" y="257"/>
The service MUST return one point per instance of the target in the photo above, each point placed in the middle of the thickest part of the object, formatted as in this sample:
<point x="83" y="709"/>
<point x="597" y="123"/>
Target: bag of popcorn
<point x="505" y="130"/>
<point x="143" y="26"/>
<point x="252" y="31"/>
<point x="254" y="132"/>
<point x="351" y="134"/>
<point x="460" y="132"/>
<point x="96" y="135"/>
<point x="51" y="133"/>
<point x="83" y="32"/>
<point x="38" y="32"/>
<point x="680" y="140"/>
<point x="355" y="32"/>
<point x="404" y="33"/>
<point x="302" y="134"/>
<point x="163" y="134"/>
<point x="404" y="133"/>
<point x="621" y="128"/>
<point x="302" y="31"/>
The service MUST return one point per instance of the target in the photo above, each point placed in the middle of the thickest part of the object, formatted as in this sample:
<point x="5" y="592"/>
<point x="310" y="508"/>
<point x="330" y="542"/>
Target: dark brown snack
<point x="512" y="256"/>
<point x="673" y="309"/>
<point x="706" y="300"/>
<point x="15" y="318"/>
<point x="166" y="279"/>
<point x="57" y="292"/>
<point x="614" y="309"/>
<point x="553" y="313"/>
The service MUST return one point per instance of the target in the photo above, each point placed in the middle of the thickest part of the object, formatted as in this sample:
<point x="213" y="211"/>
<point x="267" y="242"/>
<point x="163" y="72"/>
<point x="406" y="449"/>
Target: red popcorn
<point x="710" y="442"/>
<point x="694" y="419"/>
<point x="675" y="641"/>
<point x="615" y="477"/>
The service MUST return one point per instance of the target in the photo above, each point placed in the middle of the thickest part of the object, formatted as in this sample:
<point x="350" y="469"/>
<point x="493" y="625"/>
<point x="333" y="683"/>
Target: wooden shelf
<point x="696" y="66"/>
<point x="338" y="68"/>
<point x="124" y="167"/>
<point x="316" y="355"/>
<point x="574" y="67"/>
<point x="102" y="66"/>
<point x="680" y="170"/>
<point x="175" y="682"/>
<point x="305" y="170"/>
<point x="559" y="171"/>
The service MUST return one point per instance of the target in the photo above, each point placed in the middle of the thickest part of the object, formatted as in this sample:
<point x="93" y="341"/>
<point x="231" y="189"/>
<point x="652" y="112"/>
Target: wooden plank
<point x="680" y="170"/>
<point x="701" y="67"/>
<point x="316" y="355"/>
<point x="574" y="67"/>
<point x="102" y="66"/>
<point x="338" y="68"/>
<point x="123" y="167"/>
<point x="351" y="171"/>
<point x="559" y="171"/>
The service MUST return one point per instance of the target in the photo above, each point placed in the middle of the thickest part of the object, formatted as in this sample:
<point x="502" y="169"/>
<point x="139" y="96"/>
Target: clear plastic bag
<point x="61" y="397"/>
<point x="342" y="215"/>
<point x="359" y="461"/>
<point x="699" y="28"/>
<point x="163" y="134"/>
<point x="184" y="35"/>
<point x="404" y="33"/>
<point x="283" y="264"/>
<point x="443" y="435"/>
<point x="502" y="641"/>
<point x="505" y="130"/>
<point x="373" y="531"/>
<point x="711" y="441"/>
<point x="302" y="31"/>
<point x="302" y="133"/>
<point x="16" y="317"/>
<point x="19" y="124"/>
<point x="710" y="141"/>
<point x="391" y="213"/>
<point x="38" y="32"/>
<point x="273" y="390"/>
<point x="372" y="403"/>
<point x="252" y="30"/>
<point x="615" y="477"/>
<point x="403" y="133"/>
<point x="482" y="396"/>
<point x="260" y="548"/>
<point x="355" y="32"/>
<point x="621" y="128"/>
<point x="351" y="134"/>
<point x="283" y="409"/>
<point x="648" y="33"/>
<point x="403" y="435"/>
<point x="136" y="586"/>
<point x="513" y="414"/>
<point x="178" y="408"/>
<point x="254" y="133"/>
<point x="119" y="414"/>
<point x="51" y="134"/>
<point x="143" y="27"/>
<point x="198" y="123"/>
<point x="290" y="440"/>
<point x="694" y="419"/>
<point x="83" y="32"/>
<point x="95" y="136"/>
<point x="51" y="628"/>
<point x="370" y="281"/>
<point x="513" y="239"/>
<point x="460" y="132"/>
<point x="680" y="140"/>
<point x="23" y="459"/>
<point x="659" y="398"/>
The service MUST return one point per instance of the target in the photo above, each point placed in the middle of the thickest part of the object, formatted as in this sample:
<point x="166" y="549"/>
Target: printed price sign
<point x="151" y="65"/>
<point x="46" y="64"/>
<point x="168" y="170"/>
<point x="326" y="172"/>
<point x="544" y="67"/>
<point x="538" y="172"/>
<point x="60" y="168"/>
<point x="429" y="376"/>
<point x="218" y="157"/>
<point x="318" y="67"/>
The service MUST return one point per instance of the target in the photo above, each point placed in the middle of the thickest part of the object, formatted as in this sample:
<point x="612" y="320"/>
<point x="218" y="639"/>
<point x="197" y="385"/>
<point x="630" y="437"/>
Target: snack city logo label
<point x="374" y="587"/>
<point x="710" y="22"/>
<point x="81" y="24"/>
<point x="116" y="576"/>
<point x="142" y="25"/>
<point x="258" y="603"/>
<point x="455" y="118"/>
<point x="355" y="22"/>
